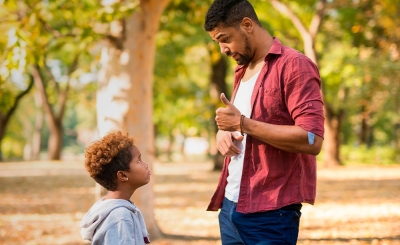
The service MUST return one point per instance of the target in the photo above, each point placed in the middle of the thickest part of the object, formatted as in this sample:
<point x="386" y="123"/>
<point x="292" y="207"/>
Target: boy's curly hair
<point x="108" y="155"/>
<point x="230" y="13"/>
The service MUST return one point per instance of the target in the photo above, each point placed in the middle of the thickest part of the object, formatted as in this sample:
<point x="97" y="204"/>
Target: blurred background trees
<point x="72" y="70"/>
<point x="47" y="43"/>
<point x="51" y="61"/>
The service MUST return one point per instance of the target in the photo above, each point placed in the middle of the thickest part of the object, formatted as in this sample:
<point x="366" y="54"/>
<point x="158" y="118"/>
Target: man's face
<point x="234" y="43"/>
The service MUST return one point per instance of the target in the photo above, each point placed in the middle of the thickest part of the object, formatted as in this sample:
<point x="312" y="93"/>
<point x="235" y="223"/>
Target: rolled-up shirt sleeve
<point x="303" y="95"/>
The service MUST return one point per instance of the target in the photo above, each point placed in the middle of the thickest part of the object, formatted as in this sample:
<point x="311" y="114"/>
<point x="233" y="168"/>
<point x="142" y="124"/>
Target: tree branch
<point x="308" y="35"/>
<point x="317" y="18"/>
<point x="285" y="10"/>
<point x="18" y="98"/>
<point x="63" y="96"/>
<point x="42" y="90"/>
<point x="52" y="79"/>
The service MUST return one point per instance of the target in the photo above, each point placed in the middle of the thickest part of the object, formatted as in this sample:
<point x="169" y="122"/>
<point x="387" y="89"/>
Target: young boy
<point x="116" y="164"/>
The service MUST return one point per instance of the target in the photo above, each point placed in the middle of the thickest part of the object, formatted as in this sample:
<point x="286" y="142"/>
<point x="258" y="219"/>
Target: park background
<point x="72" y="70"/>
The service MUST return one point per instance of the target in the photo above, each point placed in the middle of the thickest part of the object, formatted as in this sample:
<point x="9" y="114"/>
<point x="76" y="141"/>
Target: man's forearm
<point x="285" y="137"/>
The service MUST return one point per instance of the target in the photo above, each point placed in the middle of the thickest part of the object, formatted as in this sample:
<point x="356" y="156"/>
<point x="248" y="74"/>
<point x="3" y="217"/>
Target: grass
<point x="43" y="203"/>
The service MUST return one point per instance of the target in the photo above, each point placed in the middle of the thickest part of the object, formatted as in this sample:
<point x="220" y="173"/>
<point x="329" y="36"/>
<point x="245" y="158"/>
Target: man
<point x="269" y="135"/>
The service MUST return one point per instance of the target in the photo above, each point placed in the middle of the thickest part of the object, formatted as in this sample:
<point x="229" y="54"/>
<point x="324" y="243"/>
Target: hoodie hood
<point x="100" y="211"/>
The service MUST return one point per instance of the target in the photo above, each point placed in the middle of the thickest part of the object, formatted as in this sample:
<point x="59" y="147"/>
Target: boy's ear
<point x="121" y="176"/>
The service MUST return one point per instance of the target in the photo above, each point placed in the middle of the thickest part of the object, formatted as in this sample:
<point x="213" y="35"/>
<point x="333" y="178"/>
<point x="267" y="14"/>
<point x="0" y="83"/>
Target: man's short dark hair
<point x="229" y="13"/>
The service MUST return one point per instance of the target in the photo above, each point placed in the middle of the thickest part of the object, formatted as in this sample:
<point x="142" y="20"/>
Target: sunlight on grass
<point x="335" y="220"/>
<point x="40" y="228"/>
<point x="356" y="205"/>
<point x="188" y="221"/>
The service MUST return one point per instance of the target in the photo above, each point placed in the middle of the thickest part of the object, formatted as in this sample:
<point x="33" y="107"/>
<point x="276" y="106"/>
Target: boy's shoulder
<point x="122" y="210"/>
<point x="121" y="214"/>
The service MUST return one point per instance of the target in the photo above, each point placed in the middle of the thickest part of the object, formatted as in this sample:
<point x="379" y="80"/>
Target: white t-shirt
<point x="243" y="103"/>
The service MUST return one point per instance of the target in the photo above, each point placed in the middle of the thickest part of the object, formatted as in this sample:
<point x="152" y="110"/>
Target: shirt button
<point x="309" y="104"/>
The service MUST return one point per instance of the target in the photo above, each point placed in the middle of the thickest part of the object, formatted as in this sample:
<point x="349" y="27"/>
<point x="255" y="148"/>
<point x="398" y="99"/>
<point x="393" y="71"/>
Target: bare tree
<point x="124" y="98"/>
<point x="53" y="115"/>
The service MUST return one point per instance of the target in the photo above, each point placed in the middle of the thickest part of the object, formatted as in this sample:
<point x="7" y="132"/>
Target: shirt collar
<point x="276" y="47"/>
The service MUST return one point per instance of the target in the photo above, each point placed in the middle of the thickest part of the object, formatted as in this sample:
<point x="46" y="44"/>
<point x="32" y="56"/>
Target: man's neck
<point x="263" y="43"/>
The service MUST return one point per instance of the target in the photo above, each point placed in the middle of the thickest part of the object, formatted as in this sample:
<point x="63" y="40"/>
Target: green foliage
<point x="13" y="145"/>
<point x="281" y="26"/>
<point x="373" y="85"/>
<point x="380" y="155"/>
<point x="19" y="129"/>
<point x="60" y="37"/>
<point x="181" y="101"/>
<point x="116" y="11"/>
<point x="181" y="97"/>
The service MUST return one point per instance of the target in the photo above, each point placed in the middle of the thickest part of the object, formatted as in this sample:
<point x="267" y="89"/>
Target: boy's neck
<point x="118" y="195"/>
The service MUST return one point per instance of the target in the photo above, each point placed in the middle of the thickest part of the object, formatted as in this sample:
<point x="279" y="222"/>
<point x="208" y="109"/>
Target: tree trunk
<point x="362" y="139"/>
<point x="55" y="139"/>
<point x="332" y="139"/>
<point x="36" y="139"/>
<point x="124" y="98"/>
<point x="53" y="121"/>
<point x="396" y="124"/>
<point x="219" y="69"/>
<point x="2" y="133"/>
<point x="5" y="118"/>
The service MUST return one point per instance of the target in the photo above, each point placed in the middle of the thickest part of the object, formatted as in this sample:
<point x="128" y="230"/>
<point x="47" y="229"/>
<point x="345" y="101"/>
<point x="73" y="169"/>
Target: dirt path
<point x="42" y="203"/>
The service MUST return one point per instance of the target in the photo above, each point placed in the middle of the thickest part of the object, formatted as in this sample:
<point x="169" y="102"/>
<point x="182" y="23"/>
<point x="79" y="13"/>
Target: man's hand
<point x="228" y="118"/>
<point x="226" y="143"/>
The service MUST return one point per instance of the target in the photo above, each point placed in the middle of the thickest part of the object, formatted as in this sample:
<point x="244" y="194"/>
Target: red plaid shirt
<point x="287" y="92"/>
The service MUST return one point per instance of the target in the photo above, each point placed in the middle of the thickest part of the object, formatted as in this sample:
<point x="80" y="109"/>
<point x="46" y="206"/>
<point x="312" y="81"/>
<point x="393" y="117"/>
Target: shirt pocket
<point x="269" y="104"/>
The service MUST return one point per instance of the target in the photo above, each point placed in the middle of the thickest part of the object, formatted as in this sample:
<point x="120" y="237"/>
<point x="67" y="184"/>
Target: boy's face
<point x="139" y="173"/>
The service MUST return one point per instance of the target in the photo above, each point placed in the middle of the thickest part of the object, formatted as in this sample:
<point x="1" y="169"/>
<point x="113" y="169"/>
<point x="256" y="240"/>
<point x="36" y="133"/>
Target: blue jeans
<point x="276" y="227"/>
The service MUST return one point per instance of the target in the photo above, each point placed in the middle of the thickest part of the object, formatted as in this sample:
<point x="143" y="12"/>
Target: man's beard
<point x="245" y="58"/>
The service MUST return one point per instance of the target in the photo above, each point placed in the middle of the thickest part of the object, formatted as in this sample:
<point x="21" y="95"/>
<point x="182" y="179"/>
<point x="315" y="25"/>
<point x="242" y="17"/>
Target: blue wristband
<point x="311" y="138"/>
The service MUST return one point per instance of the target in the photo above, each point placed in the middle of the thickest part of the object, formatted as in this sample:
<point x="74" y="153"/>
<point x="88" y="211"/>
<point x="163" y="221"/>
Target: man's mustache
<point x="229" y="53"/>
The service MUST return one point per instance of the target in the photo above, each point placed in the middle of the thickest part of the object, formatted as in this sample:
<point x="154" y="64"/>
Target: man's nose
<point x="223" y="48"/>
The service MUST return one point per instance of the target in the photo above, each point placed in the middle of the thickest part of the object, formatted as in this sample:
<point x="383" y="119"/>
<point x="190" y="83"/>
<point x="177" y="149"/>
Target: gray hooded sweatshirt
<point x="114" y="222"/>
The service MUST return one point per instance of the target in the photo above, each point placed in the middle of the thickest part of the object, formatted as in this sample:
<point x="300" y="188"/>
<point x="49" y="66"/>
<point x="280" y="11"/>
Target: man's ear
<point x="247" y="24"/>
